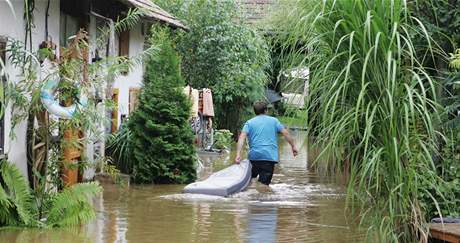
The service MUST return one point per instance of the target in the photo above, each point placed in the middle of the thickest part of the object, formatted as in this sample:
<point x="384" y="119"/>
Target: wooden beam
<point x="115" y="93"/>
<point x="445" y="232"/>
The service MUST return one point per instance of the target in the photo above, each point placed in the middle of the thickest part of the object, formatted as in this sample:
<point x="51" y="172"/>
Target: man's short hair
<point x="260" y="107"/>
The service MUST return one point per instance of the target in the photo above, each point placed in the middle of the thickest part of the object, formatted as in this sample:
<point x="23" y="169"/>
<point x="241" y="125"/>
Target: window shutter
<point x="123" y="48"/>
<point x="133" y="98"/>
<point x="115" y="110"/>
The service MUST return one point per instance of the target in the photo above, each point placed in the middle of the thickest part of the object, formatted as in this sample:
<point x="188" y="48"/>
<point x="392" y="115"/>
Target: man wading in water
<point x="262" y="131"/>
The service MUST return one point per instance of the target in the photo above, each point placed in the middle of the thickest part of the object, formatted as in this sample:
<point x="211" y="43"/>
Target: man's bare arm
<point x="239" y="146"/>
<point x="290" y="140"/>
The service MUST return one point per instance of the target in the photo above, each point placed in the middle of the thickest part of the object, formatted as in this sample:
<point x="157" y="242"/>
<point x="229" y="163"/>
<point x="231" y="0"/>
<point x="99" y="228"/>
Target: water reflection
<point x="303" y="207"/>
<point x="262" y="224"/>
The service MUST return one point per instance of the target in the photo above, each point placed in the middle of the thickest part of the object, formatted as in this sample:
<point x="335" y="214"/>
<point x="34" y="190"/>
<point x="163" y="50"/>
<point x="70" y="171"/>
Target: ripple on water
<point x="194" y="197"/>
<point x="281" y="194"/>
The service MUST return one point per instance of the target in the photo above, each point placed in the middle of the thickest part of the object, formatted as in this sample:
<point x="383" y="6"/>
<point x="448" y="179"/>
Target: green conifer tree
<point x="161" y="136"/>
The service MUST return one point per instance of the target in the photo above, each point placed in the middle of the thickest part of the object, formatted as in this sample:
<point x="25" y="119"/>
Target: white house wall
<point x="14" y="28"/>
<point x="134" y="78"/>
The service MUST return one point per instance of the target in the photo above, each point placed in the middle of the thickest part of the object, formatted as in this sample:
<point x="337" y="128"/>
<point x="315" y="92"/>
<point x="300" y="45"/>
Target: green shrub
<point x="119" y="148"/>
<point x="448" y="168"/>
<point x="162" y="138"/>
<point x="223" y="139"/>
<point x="442" y="25"/>
<point x="20" y="207"/>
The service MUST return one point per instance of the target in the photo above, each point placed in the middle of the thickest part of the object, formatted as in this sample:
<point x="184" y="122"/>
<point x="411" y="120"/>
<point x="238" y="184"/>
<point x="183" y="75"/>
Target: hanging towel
<point x="208" y="107"/>
<point x="187" y="91"/>
<point x="193" y="96"/>
<point x="195" y="100"/>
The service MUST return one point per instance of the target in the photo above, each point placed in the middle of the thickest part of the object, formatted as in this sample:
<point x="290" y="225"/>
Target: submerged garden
<point x="380" y="105"/>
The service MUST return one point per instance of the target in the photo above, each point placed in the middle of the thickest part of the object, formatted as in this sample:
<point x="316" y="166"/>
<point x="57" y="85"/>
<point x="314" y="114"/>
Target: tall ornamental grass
<point x="371" y="104"/>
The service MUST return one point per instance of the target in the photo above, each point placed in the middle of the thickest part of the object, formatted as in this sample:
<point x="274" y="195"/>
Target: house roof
<point x="256" y="10"/>
<point x="272" y="96"/>
<point x="155" y="12"/>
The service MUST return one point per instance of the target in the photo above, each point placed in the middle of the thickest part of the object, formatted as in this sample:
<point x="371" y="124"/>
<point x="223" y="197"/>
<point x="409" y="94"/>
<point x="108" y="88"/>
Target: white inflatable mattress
<point x="225" y="182"/>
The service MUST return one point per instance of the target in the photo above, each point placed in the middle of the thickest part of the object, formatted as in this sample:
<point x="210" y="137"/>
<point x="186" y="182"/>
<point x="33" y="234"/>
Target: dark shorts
<point x="263" y="169"/>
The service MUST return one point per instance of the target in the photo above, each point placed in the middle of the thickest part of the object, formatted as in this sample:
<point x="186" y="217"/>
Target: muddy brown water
<point x="302" y="207"/>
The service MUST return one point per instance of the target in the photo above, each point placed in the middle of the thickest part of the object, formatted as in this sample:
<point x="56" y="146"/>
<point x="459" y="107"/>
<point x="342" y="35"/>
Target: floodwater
<point x="302" y="207"/>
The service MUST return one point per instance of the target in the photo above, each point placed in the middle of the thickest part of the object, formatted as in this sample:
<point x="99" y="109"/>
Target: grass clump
<point x="372" y="105"/>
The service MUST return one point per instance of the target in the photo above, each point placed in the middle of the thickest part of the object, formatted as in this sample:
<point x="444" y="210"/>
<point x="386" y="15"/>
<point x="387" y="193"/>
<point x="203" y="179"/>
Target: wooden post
<point x="115" y="93"/>
<point x="72" y="153"/>
<point x="71" y="156"/>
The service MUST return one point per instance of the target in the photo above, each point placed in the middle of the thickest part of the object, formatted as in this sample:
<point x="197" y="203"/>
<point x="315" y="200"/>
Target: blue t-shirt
<point x="262" y="132"/>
